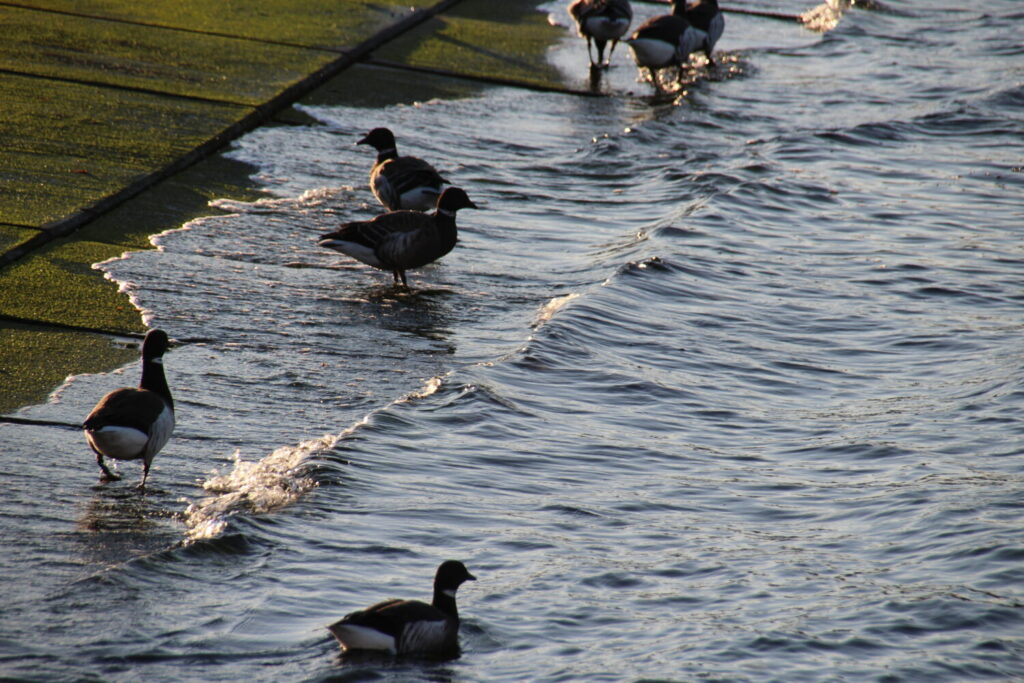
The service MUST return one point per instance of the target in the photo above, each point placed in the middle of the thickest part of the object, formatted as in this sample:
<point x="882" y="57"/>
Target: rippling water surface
<point x="724" y="387"/>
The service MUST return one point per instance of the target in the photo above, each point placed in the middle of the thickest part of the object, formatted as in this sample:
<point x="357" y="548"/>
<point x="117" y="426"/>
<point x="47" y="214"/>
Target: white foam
<point x="430" y="387"/>
<point x="269" y="484"/>
<point x="257" y="487"/>
<point x="548" y="310"/>
<point x="309" y="199"/>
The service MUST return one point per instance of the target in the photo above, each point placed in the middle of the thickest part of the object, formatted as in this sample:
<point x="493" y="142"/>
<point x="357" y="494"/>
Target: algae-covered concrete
<point x="36" y="359"/>
<point x="113" y="110"/>
<point x="68" y="145"/>
<point x="482" y="39"/>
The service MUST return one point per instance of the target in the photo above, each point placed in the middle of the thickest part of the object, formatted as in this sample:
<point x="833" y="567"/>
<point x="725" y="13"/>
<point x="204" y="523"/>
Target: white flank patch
<point x="159" y="433"/>
<point x="420" y="199"/>
<point x="359" y="252"/>
<point x="605" y="28"/>
<point x="120" y="443"/>
<point x="650" y="52"/>
<point x="354" y="637"/>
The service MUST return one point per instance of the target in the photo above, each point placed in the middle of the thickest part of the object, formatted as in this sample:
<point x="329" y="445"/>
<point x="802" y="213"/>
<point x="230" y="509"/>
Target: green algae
<point x="507" y="40"/>
<point x="68" y="145"/>
<point x="173" y="202"/>
<point x="33" y="361"/>
<point x="115" y="54"/>
<point x="12" y="235"/>
<point x="59" y="285"/>
<point x="390" y="86"/>
<point x="311" y="23"/>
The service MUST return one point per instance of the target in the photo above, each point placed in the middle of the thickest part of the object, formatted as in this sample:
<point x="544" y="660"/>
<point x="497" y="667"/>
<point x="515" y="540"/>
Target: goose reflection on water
<point x="120" y="522"/>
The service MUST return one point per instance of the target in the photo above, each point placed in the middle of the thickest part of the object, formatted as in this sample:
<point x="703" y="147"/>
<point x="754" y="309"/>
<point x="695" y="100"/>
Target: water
<point x="727" y="388"/>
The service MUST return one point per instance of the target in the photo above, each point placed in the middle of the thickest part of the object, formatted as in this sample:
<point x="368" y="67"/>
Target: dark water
<point x="724" y="388"/>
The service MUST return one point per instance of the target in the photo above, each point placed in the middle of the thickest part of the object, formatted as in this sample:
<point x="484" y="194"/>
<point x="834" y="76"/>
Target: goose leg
<point x="590" y="56"/>
<point x="404" y="283"/>
<point x="107" y="474"/>
<point x="145" y="475"/>
<point x="654" y="78"/>
<point x="610" y="51"/>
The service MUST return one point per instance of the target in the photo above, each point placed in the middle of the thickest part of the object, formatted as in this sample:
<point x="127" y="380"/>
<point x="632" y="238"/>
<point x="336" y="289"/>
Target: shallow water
<point x="724" y="387"/>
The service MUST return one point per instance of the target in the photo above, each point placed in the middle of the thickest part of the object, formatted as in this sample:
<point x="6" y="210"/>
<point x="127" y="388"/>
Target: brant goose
<point x="707" y="25"/>
<point x="400" y="240"/>
<point x="601" y="21"/>
<point x="409" y="626"/>
<point x="133" y="424"/>
<point x="662" y="41"/>
<point x="401" y="182"/>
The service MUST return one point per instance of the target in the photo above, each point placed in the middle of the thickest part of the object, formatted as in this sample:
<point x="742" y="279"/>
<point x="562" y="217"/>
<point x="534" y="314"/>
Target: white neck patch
<point x="450" y="592"/>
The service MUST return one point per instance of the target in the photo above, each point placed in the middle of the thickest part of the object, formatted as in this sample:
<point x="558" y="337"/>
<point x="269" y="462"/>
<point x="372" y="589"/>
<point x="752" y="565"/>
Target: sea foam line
<point x="270" y="483"/>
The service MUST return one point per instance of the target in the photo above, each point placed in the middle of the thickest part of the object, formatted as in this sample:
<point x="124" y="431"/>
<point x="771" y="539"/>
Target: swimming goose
<point x="409" y="626"/>
<point x="601" y="21"/>
<point x="401" y="182"/>
<point x="707" y="24"/>
<point x="134" y="424"/>
<point x="400" y="240"/>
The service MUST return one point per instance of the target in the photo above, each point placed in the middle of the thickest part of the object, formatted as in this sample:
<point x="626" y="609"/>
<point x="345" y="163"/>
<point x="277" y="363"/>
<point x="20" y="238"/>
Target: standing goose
<point x="667" y="40"/>
<point x="134" y="424"/>
<point x="400" y="240"/>
<point x="401" y="182"/>
<point x="707" y="25"/>
<point x="660" y="42"/>
<point x="601" y="21"/>
<point x="409" y="626"/>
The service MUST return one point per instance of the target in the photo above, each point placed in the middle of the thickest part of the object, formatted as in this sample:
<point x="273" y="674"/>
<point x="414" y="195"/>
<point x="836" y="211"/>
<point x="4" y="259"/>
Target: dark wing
<point x="391" y="616"/>
<point x="373" y="233"/>
<point x="135" y="408"/>
<point x="407" y="173"/>
<point x="715" y="30"/>
<point x="416" y="248"/>
<point x="666" y="27"/>
<point x="581" y="9"/>
<point x="619" y="9"/>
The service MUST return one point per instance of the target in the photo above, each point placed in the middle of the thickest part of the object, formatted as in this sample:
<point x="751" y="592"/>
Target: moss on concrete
<point x="112" y="53"/>
<point x="173" y="202"/>
<point x="33" y="361"/>
<point x="507" y="40"/>
<point x="326" y="23"/>
<point x="389" y="87"/>
<point x="68" y="145"/>
<point x="58" y="285"/>
<point x="12" y="235"/>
